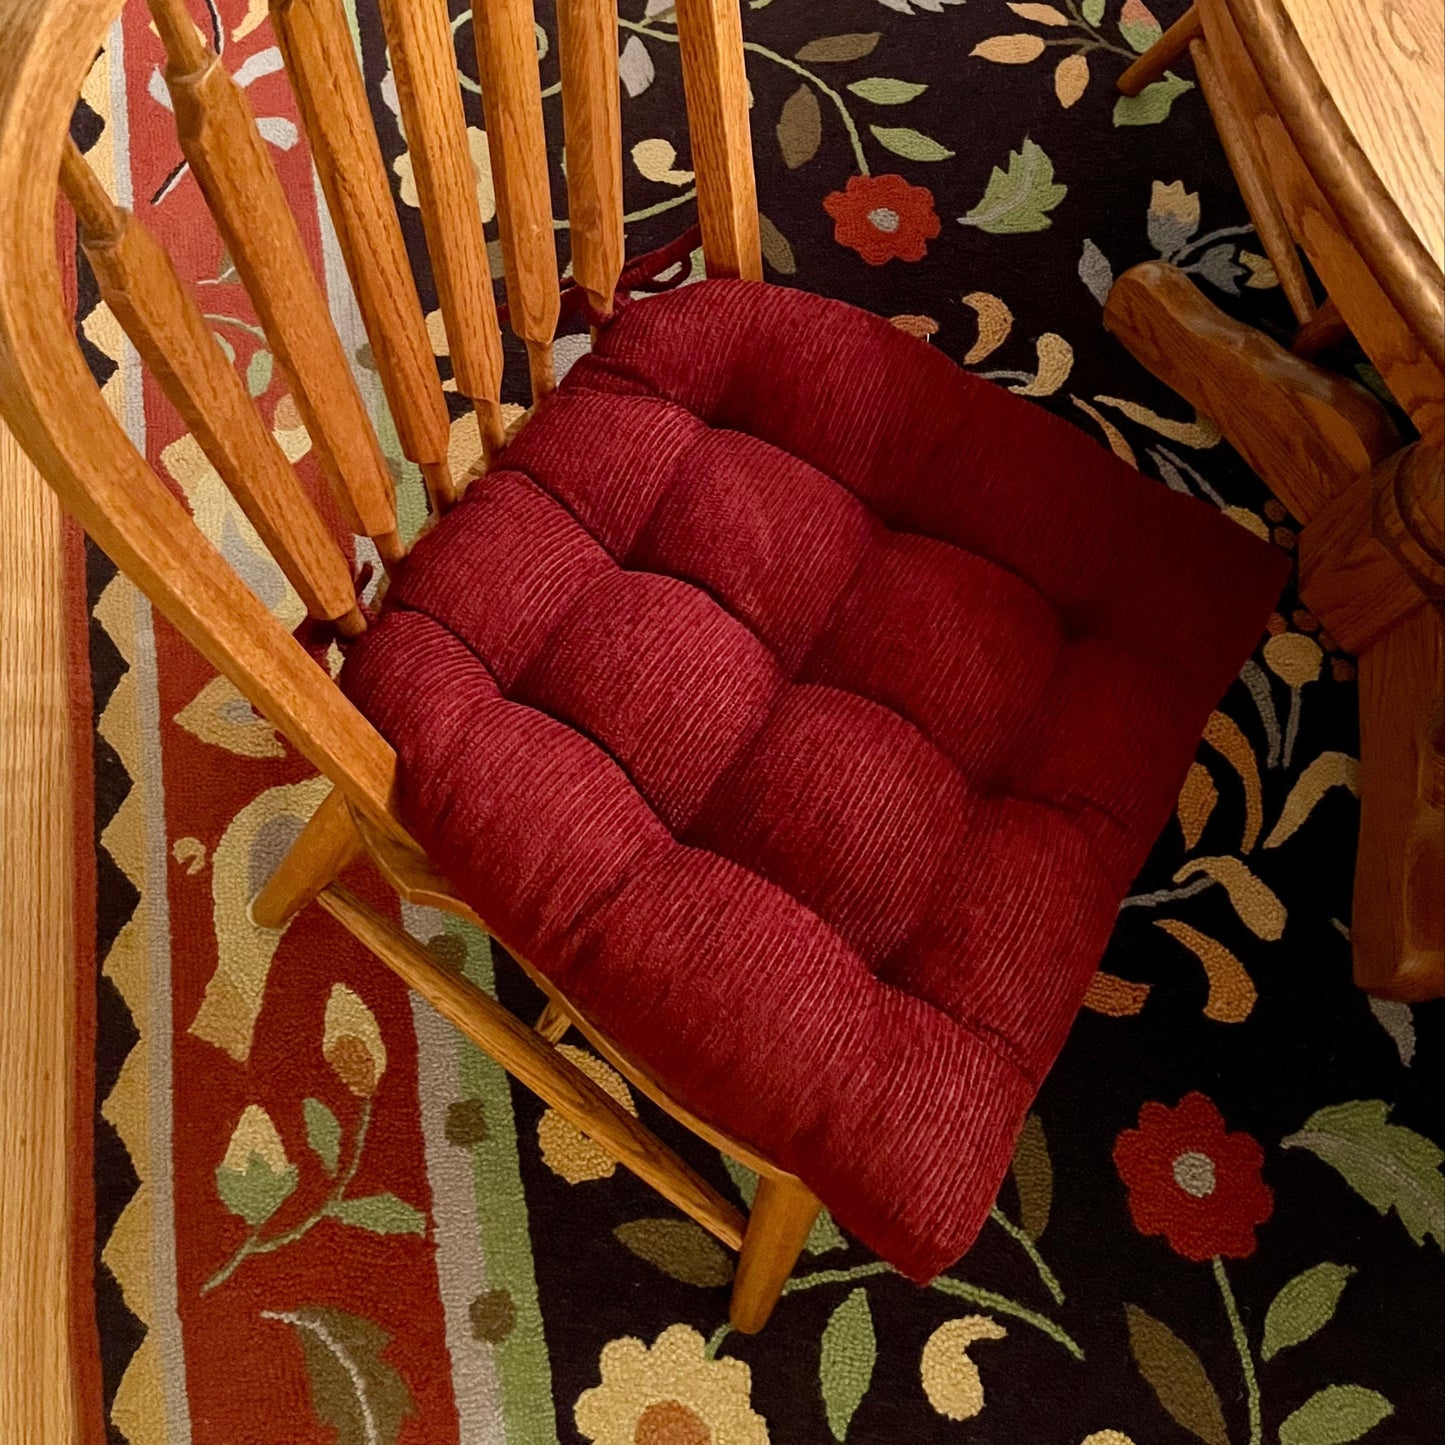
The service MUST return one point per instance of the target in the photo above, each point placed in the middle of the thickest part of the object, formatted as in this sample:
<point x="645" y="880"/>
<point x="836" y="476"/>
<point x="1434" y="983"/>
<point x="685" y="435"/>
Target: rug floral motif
<point x="319" y="1216"/>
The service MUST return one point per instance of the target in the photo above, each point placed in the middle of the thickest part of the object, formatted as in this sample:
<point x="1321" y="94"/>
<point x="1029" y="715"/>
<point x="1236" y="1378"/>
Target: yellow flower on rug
<point x="670" y="1394"/>
<point x="566" y="1150"/>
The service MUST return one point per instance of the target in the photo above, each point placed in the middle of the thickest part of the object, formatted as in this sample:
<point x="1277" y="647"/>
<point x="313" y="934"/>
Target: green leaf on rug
<point x="679" y="1248"/>
<point x="258" y="373"/>
<point x="1176" y="1375"/>
<point x="1138" y="26"/>
<point x="838" y="47"/>
<point x="353" y="1390"/>
<point x="845" y="1365"/>
<point x="800" y="127"/>
<point x="380" y="1213"/>
<point x="323" y="1133"/>
<point x="1335" y="1416"/>
<point x="1387" y="1165"/>
<point x="1153" y="103"/>
<point x="912" y="145"/>
<point x="777" y="249"/>
<point x="1017" y="199"/>
<point x="824" y="1235"/>
<point x="1303" y="1307"/>
<point x="256" y="1192"/>
<point x="1093" y="11"/>
<point x="1033" y="1174"/>
<point x="883" y="90"/>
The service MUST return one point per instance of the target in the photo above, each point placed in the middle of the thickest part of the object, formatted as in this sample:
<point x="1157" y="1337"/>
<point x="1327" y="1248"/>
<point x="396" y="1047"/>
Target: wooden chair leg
<point x="326" y="845"/>
<point x="1163" y="53"/>
<point x="783" y="1213"/>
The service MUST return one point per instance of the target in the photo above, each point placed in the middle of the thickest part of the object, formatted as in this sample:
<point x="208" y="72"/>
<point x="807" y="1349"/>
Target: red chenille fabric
<point x="803" y="706"/>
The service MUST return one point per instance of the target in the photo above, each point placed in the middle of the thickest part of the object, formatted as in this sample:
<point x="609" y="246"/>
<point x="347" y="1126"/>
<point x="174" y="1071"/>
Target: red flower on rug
<point x="883" y="218"/>
<point x="1192" y="1181"/>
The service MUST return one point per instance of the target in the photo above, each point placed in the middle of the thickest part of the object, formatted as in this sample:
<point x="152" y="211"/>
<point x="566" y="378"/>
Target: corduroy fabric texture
<point x="803" y="706"/>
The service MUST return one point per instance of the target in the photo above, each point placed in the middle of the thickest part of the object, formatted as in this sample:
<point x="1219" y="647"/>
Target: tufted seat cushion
<point x="803" y="706"/>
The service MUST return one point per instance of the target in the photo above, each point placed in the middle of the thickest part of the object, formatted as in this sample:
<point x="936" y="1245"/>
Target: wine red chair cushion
<point x="803" y="706"/>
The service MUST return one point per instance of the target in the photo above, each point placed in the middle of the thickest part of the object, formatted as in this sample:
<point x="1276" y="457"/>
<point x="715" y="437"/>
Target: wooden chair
<point x="1341" y="174"/>
<point x="55" y="410"/>
<point x="869" y="998"/>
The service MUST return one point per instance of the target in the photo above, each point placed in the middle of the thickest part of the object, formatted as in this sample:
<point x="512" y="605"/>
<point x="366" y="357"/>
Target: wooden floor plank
<point x="37" y="959"/>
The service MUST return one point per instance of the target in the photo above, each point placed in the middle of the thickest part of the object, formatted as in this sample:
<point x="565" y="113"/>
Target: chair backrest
<point x="55" y="408"/>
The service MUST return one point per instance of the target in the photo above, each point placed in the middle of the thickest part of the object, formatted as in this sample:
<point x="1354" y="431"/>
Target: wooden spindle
<point x="1241" y="150"/>
<point x="164" y="323"/>
<point x="230" y="162"/>
<point x="315" y="41"/>
<point x="1164" y="52"/>
<point x="505" y="33"/>
<point x="711" y="36"/>
<point x="587" y="39"/>
<point x="419" y="41"/>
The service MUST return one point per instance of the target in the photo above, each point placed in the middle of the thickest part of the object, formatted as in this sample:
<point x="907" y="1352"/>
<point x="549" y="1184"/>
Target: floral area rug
<point x="319" y="1216"/>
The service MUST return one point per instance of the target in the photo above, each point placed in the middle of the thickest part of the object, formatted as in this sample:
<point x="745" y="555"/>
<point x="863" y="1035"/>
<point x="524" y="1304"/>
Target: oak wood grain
<point x="1353" y="290"/>
<point x="230" y="162"/>
<point x="1325" y="330"/>
<point x="1409" y="515"/>
<point x="158" y="313"/>
<point x="1347" y="577"/>
<point x="1241" y="150"/>
<point x="327" y="843"/>
<point x="1389" y="214"/>
<point x="56" y="411"/>
<point x="315" y="41"/>
<point x="716" y="85"/>
<point x="505" y="34"/>
<point x="782" y="1215"/>
<point x="37" y="986"/>
<point x="1308" y="432"/>
<point x="1383" y="65"/>
<point x="1397" y="952"/>
<point x="587" y="42"/>
<point x="553" y="1023"/>
<point x="419" y="43"/>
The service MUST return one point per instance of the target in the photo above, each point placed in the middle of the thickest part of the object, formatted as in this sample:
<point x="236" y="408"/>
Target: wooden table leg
<point x="1399" y="875"/>
<point x="778" y="1227"/>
